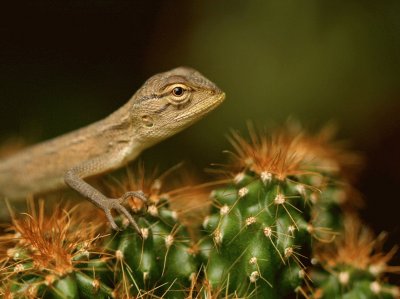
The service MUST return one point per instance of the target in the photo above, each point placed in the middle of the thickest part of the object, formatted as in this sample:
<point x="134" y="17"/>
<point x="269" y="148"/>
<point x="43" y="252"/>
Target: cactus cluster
<point x="275" y="227"/>
<point x="43" y="255"/>
<point x="284" y="206"/>
<point x="70" y="256"/>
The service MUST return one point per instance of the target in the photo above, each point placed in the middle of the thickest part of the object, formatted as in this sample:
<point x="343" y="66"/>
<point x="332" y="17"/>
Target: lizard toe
<point x="110" y="218"/>
<point x="121" y="209"/>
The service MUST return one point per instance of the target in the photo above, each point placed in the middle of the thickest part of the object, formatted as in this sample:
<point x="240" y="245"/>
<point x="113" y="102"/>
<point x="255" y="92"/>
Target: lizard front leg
<point x="74" y="179"/>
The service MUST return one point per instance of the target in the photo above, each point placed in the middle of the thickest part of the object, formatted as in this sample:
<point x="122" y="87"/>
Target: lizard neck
<point x="122" y="133"/>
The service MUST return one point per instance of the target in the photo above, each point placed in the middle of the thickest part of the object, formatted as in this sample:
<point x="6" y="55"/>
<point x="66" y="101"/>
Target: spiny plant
<point x="262" y="223"/>
<point x="47" y="254"/>
<point x="281" y="199"/>
<point x="62" y="256"/>
<point x="353" y="266"/>
<point x="162" y="264"/>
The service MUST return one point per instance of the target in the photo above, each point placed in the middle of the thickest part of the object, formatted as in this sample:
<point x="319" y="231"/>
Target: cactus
<point x="353" y="266"/>
<point x="256" y="233"/>
<point x="42" y="255"/>
<point x="261" y="226"/>
<point x="64" y="257"/>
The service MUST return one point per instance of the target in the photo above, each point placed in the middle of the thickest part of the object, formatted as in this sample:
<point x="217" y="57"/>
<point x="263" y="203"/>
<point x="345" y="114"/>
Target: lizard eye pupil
<point x="178" y="91"/>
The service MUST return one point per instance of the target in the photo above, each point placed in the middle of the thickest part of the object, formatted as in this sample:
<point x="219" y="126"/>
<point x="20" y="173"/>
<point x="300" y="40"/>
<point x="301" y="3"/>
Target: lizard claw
<point x="111" y="220"/>
<point x="116" y="204"/>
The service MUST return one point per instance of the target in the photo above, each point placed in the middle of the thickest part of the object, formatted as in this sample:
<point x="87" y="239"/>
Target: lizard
<point x="164" y="105"/>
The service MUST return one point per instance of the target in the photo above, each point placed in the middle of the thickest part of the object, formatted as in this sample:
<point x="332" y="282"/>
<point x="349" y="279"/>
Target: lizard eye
<point x="179" y="94"/>
<point x="178" y="91"/>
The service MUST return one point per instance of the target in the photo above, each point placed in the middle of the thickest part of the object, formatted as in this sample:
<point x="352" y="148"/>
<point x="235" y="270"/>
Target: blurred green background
<point x="64" y="64"/>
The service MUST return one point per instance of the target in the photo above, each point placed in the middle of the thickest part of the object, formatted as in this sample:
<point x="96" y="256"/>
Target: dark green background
<point x="64" y="64"/>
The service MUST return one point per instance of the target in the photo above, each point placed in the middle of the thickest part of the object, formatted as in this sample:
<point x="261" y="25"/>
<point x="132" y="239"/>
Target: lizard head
<point x="171" y="101"/>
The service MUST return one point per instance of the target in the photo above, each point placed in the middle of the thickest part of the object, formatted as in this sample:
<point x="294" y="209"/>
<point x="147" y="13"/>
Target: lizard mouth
<point x="203" y="107"/>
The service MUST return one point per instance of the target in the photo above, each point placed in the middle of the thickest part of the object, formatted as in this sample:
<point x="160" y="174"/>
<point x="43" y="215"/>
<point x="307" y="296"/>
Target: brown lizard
<point x="165" y="104"/>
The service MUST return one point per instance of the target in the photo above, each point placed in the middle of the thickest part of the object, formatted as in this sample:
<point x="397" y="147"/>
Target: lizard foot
<point x="116" y="204"/>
